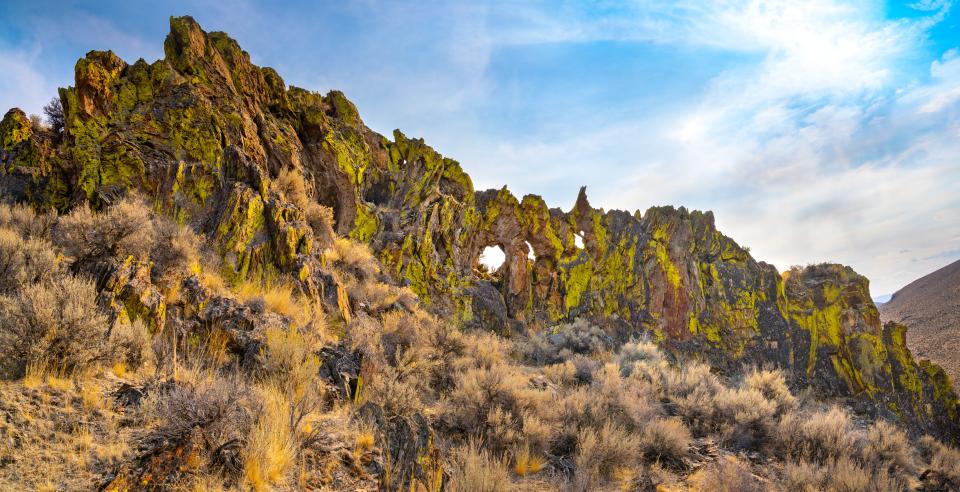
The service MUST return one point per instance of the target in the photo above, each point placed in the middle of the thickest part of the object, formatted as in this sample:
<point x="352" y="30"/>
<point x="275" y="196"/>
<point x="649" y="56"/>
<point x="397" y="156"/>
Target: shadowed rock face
<point x="205" y="133"/>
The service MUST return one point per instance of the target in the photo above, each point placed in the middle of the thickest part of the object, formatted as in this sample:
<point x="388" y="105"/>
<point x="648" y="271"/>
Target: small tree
<point x="54" y="112"/>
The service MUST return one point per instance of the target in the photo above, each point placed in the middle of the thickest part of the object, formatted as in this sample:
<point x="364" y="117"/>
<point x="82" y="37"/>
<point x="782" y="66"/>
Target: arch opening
<point x="492" y="257"/>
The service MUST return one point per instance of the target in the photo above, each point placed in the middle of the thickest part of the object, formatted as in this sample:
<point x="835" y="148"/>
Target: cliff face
<point x="205" y="134"/>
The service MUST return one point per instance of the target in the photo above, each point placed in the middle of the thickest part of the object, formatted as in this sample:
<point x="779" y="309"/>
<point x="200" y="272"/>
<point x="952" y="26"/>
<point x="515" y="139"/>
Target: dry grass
<point x="270" y="451"/>
<point x="526" y="463"/>
<point x="475" y="470"/>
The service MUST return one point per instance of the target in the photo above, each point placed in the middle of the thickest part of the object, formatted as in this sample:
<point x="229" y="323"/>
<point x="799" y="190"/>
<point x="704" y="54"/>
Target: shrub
<point x="320" y="218"/>
<point x="730" y="475"/>
<point x="817" y="436"/>
<point x="289" y="367"/>
<point x="53" y="322"/>
<point x="745" y="414"/>
<point x="123" y="229"/>
<point x="802" y="476"/>
<point x="772" y="385"/>
<point x="943" y="461"/>
<point x="561" y="343"/>
<point x="23" y="220"/>
<point x="24" y="262"/>
<point x="888" y="447"/>
<point x="633" y="352"/>
<point x="222" y="410"/>
<point x="475" y="470"/>
<point x="53" y="110"/>
<point x="132" y="343"/>
<point x="176" y="252"/>
<point x="665" y="439"/>
<point x="490" y="404"/>
<point x="353" y="258"/>
<point x="600" y="453"/>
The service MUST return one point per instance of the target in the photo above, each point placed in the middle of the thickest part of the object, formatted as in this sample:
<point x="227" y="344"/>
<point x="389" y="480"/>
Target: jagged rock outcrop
<point x="205" y="133"/>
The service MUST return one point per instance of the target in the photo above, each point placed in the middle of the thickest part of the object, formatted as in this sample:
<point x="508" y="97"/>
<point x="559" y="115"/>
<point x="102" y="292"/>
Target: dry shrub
<point x="26" y="222"/>
<point x="817" y="436"/>
<point x="175" y="254"/>
<point x="563" y="342"/>
<point x="634" y="352"/>
<point x="628" y="403"/>
<point x="291" y="184"/>
<point x="353" y="258"/>
<point x="396" y="394"/>
<point x="222" y="410"/>
<point x="132" y="344"/>
<point x="601" y="453"/>
<point x="744" y="414"/>
<point x="730" y="475"/>
<point x="25" y="261"/>
<point x="773" y="386"/>
<point x="475" y="470"/>
<point x="943" y="461"/>
<point x="123" y="229"/>
<point x="801" y="476"/>
<point x="665" y="439"/>
<point x="320" y="218"/>
<point x="56" y="322"/>
<point x="490" y="404"/>
<point x="482" y="349"/>
<point x="888" y="447"/>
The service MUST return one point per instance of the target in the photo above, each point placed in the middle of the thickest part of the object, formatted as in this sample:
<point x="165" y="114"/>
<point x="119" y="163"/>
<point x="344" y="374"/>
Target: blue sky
<point x="815" y="130"/>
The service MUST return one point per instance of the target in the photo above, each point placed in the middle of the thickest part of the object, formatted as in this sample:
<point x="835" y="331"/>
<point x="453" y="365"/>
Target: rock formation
<point x="205" y="133"/>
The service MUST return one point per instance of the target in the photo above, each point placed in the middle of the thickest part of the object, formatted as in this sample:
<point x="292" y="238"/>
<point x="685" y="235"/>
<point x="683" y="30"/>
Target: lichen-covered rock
<point x="205" y="133"/>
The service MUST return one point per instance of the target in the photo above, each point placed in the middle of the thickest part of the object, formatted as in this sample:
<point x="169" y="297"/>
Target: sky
<point x="815" y="130"/>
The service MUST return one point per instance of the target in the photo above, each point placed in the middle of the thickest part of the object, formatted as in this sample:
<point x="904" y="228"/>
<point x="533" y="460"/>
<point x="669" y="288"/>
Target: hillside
<point x="255" y="290"/>
<point x="930" y="307"/>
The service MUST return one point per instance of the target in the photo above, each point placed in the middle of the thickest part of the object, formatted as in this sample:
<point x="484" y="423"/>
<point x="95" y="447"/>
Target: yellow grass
<point x="270" y="452"/>
<point x="525" y="463"/>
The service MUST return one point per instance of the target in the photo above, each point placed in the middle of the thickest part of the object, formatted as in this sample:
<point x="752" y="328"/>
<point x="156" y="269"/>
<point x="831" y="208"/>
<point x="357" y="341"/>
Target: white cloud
<point x="21" y="85"/>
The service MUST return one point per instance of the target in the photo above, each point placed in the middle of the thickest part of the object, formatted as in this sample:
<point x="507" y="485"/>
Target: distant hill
<point x="930" y="307"/>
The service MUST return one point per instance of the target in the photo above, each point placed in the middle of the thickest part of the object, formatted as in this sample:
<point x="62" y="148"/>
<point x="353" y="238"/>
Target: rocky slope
<point x="930" y="306"/>
<point x="205" y="134"/>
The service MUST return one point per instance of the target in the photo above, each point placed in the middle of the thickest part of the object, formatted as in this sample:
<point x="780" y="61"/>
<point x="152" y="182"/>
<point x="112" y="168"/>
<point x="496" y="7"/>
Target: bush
<point x="175" y="253"/>
<point x="601" y="453"/>
<point x="56" y="324"/>
<point x="24" y="262"/>
<point x="944" y="463"/>
<point x="123" y="229"/>
<point x="561" y="343"/>
<point x="132" y="343"/>
<point x="773" y="386"/>
<point x="353" y="258"/>
<point x="888" y="447"/>
<point x="490" y="404"/>
<point x="270" y="450"/>
<point x="634" y="352"/>
<point x="817" y="436"/>
<point x="665" y="439"/>
<point x="222" y="410"/>
<point x="23" y="220"/>
<point x="730" y="475"/>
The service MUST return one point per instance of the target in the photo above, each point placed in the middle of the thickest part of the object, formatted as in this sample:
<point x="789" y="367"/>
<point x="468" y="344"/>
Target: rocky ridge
<point x="205" y="133"/>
